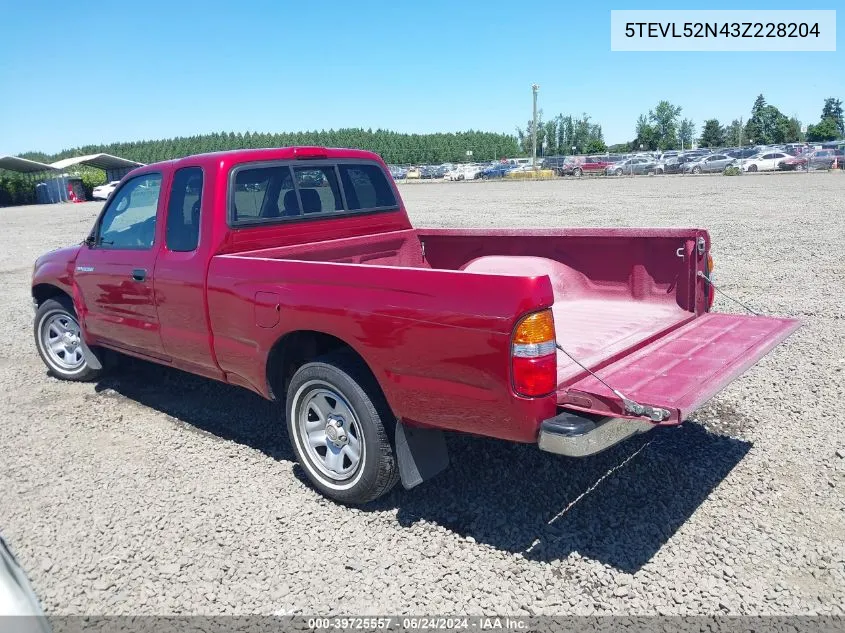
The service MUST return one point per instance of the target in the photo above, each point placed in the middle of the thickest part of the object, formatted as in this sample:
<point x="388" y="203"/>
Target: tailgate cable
<point x="656" y="414"/>
<point x="701" y="274"/>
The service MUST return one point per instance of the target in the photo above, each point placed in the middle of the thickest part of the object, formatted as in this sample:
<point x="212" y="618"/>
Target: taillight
<point x="534" y="356"/>
<point x="710" y="293"/>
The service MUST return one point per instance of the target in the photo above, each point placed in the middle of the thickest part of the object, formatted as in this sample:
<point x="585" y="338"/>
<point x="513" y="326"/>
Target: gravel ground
<point x="158" y="492"/>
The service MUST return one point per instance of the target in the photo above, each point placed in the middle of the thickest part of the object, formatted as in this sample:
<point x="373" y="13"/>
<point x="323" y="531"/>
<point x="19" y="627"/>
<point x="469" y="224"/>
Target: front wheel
<point x="696" y="170"/>
<point x="577" y="172"/>
<point x="58" y="339"/>
<point x="752" y="168"/>
<point x="339" y="426"/>
<point x="618" y="172"/>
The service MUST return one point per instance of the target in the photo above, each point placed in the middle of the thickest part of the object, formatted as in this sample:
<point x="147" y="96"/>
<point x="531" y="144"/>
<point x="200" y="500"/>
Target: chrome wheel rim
<point x="329" y="432"/>
<point x="61" y="340"/>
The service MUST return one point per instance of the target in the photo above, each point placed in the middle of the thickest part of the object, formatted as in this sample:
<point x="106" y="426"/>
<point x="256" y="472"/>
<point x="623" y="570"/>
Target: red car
<point x="581" y="164"/>
<point x="815" y="159"/>
<point x="296" y="273"/>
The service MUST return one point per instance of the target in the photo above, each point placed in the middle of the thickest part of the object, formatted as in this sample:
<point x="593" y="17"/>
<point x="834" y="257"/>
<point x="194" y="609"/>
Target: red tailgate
<point x="683" y="369"/>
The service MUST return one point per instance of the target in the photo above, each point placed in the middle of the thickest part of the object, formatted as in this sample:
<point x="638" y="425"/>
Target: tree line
<point x="662" y="128"/>
<point x="393" y="147"/>
<point x="561" y="135"/>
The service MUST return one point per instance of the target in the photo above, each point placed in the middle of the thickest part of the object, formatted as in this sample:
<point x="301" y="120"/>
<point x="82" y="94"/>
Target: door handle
<point x="139" y="274"/>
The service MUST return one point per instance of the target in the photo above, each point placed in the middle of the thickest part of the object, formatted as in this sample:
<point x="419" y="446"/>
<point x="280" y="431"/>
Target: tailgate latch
<point x="657" y="414"/>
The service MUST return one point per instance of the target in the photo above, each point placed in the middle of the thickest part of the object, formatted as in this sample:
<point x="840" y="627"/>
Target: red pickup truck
<point x="296" y="273"/>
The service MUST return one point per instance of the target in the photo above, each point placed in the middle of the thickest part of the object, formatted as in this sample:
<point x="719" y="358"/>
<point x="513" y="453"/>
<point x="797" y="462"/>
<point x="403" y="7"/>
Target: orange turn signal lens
<point x="710" y="264"/>
<point x="535" y="328"/>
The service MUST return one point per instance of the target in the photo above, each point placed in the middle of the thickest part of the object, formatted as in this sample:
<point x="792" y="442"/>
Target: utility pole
<point x="534" y="89"/>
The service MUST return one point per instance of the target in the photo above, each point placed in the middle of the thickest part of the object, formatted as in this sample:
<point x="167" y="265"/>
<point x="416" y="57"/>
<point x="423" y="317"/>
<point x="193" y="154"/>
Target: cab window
<point x="183" y="210"/>
<point x="129" y="221"/>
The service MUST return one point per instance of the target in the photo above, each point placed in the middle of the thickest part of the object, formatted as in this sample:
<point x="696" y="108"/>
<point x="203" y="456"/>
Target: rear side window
<point x="264" y="193"/>
<point x="366" y="187"/>
<point x="183" y="210"/>
<point x="279" y="192"/>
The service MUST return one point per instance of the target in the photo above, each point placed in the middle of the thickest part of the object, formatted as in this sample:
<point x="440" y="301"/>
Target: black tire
<point x="696" y="170"/>
<point x="356" y="392"/>
<point x="752" y="168"/>
<point x="577" y="172"/>
<point x="54" y="312"/>
<point x="618" y="172"/>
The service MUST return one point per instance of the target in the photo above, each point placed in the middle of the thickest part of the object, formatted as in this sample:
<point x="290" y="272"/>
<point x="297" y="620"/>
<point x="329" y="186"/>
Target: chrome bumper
<point x="575" y="435"/>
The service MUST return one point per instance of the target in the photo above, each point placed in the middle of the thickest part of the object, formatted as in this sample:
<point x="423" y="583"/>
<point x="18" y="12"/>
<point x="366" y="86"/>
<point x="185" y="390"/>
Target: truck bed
<point x="614" y="289"/>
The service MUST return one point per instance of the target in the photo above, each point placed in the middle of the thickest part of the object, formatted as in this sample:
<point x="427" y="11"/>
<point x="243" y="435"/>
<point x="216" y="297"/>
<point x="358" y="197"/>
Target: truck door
<point x="114" y="274"/>
<point x="180" y="274"/>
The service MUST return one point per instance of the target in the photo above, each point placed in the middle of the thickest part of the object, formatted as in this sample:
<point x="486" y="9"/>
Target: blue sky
<point x="79" y="73"/>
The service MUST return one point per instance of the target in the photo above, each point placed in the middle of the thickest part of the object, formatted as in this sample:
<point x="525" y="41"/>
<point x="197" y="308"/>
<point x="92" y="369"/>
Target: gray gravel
<point x="158" y="492"/>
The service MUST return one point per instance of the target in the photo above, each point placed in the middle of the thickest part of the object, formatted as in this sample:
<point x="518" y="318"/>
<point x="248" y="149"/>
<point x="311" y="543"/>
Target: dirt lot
<point x="158" y="492"/>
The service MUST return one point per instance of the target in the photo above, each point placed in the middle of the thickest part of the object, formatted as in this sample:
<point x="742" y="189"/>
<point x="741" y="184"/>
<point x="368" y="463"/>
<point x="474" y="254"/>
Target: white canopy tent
<point x="114" y="166"/>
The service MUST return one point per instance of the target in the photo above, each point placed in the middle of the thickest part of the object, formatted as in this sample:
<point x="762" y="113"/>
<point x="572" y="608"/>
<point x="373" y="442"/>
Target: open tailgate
<point x="682" y="370"/>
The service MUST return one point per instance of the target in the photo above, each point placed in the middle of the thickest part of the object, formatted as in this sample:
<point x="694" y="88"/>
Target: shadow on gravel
<point x="618" y="507"/>
<point x="205" y="405"/>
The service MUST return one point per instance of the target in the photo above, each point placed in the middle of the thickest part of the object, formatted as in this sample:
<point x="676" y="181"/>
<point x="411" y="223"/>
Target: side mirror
<point x="90" y="241"/>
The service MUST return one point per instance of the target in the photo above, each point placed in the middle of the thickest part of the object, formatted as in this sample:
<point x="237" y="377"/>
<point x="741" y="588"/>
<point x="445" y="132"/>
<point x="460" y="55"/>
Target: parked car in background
<point x="590" y="164"/>
<point x="673" y="165"/>
<point x="636" y="165"/>
<point x="497" y="171"/>
<point x="397" y="172"/>
<point x="455" y="174"/>
<point x="555" y="163"/>
<point x="471" y="172"/>
<point x="104" y="191"/>
<point x="816" y="159"/>
<point x="713" y="163"/>
<point x="765" y="161"/>
<point x="740" y="153"/>
<point x="413" y="173"/>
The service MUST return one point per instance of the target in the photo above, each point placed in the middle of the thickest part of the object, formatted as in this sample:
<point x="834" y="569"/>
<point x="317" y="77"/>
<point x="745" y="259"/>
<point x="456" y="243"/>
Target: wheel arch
<point x="294" y="349"/>
<point x="43" y="291"/>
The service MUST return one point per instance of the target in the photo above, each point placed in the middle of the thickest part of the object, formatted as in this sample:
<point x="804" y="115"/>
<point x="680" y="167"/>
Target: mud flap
<point x="421" y="453"/>
<point x="91" y="359"/>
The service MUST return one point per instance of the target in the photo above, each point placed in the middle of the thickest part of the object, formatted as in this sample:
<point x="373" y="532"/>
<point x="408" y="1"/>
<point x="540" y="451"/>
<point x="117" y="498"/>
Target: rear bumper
<point x="576" y="435"/>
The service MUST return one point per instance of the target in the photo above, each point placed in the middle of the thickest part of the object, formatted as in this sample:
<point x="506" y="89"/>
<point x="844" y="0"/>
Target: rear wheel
<point x="339" y="426"/>
<point x="696" y="170"/>
<point x="58" y="339"/>
<point x="752" y="168"/>
<point x="618" y="172"/>
<point x="577" y="172"/>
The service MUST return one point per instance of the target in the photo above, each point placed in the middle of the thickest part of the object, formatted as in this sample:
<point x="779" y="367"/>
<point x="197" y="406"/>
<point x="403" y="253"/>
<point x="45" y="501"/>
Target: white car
<point x="764" y="161"/>
<point x="104" y="191"/>
<point x="17" y="597"/>
<point x="471" y="172"/>
<point x="456" y="174"/>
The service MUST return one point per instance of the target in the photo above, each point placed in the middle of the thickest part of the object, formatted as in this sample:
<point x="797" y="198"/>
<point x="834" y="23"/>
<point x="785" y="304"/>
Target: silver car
<point x="712" y="163"/>
<point x="635" y="165"/>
